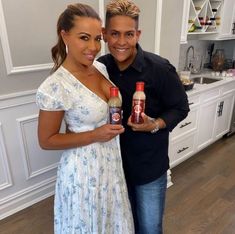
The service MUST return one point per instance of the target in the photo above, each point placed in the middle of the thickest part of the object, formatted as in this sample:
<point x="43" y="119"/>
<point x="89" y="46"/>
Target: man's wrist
<point x="155" y="124"/>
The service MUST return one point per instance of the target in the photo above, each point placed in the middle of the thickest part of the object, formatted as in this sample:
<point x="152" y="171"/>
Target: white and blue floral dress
<point x="91" y="195"/>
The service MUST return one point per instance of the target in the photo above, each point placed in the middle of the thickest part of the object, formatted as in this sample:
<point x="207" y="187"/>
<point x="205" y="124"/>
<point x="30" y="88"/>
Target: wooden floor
<point x="201" y="201"/>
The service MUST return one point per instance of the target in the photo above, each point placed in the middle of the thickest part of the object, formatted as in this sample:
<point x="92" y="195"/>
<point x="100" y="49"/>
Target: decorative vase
<point x="218" y="60"/>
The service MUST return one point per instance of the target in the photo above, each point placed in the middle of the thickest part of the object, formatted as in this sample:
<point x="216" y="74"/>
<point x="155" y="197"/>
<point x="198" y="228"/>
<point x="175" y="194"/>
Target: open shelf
<point x="204" y="16"/>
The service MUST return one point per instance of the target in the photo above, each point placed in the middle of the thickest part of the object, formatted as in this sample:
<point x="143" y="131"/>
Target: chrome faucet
<point x="188" y="66"/>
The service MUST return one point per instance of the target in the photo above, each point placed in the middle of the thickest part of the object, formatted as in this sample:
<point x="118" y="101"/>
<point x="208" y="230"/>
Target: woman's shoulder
<point x="53" y="79"/>
<point x="101" y="68"/>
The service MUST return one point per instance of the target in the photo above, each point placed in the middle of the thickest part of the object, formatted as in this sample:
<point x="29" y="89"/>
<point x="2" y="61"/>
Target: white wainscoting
<point x="27" y="173"/>
<point x="5" y="175"/>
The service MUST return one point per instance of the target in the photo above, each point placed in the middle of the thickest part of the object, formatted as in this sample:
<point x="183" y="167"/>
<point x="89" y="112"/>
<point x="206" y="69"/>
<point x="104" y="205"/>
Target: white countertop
<point x="198" y="88"/>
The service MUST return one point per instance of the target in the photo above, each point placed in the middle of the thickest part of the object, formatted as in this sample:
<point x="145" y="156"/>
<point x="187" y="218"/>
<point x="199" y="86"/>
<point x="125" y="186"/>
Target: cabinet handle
<point x="190" y="103"/>
<point x="184" y="125"/>
<point x="181" y="150"/>
<point x="220" y="109"/>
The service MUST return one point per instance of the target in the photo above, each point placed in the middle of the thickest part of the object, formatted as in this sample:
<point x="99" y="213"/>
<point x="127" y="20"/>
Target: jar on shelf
<point x="218" y="60"/>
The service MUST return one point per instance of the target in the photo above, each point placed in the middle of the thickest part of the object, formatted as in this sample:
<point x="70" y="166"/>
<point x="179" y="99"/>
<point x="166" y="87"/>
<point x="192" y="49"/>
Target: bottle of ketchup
<point x="138" y="103"/>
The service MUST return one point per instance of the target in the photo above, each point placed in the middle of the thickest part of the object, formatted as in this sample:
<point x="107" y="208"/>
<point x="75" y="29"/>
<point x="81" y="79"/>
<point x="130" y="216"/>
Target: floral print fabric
<point x="91" y="194"/>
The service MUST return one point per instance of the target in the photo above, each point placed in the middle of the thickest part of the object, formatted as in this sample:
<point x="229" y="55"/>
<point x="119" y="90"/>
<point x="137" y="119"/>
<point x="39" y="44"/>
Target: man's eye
<point x="114" y="34"/>
<point x="129" y="35"/>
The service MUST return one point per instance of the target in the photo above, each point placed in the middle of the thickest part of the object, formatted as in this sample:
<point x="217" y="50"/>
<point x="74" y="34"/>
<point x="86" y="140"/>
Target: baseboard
<point x="22" y="200"/>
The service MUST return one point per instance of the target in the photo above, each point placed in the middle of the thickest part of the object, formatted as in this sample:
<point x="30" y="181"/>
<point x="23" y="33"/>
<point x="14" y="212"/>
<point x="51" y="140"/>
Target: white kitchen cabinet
<point x="227" y="19"/>
<point x="183" y="137"/>
<point x="182" y="148"/>
<point x="206" y="124"/>
<point x="223" y="115"/>
<point x="208" y="120"/>
<point x="204" y="16"/>
<point x="215" y="115"/>
<point x="225" y="24"/>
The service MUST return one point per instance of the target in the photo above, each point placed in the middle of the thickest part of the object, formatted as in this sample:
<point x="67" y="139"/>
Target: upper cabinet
<point x="208" y="19"/>
<point x="228" y="20"/>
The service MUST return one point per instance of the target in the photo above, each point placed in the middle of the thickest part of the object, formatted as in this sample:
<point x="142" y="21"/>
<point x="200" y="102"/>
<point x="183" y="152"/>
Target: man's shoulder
<point x="157" y="62"/>
<point x="155" y="58"/>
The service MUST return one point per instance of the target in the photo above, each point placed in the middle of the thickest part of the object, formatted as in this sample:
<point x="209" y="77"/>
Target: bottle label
<point x="137" y="109"/>
<point x="115" y="115"/>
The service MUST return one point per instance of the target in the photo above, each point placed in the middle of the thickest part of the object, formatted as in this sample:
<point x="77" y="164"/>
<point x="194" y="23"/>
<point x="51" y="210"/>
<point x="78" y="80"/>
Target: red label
<point x="137" y="108"/>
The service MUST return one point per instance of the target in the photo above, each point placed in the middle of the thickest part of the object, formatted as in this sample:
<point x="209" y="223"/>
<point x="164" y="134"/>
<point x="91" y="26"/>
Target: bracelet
<point x="156" y="127"/>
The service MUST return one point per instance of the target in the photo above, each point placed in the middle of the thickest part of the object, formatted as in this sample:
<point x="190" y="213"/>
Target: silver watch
<point x="156" y="125"/>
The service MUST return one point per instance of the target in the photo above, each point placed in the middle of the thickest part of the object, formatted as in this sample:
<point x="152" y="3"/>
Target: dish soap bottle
<point x="138" y="103"/>
<point x="115" y="106"/>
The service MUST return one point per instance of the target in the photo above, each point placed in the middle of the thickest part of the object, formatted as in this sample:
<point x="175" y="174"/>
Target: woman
<point x="91" y="194"/>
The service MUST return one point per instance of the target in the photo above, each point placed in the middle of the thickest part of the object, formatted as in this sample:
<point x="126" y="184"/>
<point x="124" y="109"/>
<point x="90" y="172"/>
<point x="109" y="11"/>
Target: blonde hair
<point x="122" y="7"/>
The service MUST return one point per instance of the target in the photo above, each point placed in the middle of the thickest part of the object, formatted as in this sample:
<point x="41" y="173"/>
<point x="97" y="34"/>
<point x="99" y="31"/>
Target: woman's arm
<point x="49" y="124"/>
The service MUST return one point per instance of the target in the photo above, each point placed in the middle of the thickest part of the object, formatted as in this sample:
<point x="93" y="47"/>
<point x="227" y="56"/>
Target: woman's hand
<point x="107" y="132"/>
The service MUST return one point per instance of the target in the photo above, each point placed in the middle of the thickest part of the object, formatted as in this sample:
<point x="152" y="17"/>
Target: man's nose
<point x="121" y="40"/>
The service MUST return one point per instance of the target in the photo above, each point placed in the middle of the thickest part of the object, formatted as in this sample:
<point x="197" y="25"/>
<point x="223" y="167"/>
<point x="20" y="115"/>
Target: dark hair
<point x="66" y="22"/>
<point x="122" y="7"/>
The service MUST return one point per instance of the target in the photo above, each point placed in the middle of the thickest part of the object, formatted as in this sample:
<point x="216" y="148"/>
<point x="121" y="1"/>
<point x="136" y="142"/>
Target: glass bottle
<point x="115" y="106"/>
<point x="218" y="60"/>
<point x="138" y="103"/>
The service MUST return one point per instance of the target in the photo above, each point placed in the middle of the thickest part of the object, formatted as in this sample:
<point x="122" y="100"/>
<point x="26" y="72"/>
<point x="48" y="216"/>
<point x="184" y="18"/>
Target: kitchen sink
<point x="205" y="80"/>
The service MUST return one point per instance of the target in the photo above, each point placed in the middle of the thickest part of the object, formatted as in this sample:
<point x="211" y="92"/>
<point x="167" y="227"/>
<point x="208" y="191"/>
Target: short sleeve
<point x="53" y="96"/>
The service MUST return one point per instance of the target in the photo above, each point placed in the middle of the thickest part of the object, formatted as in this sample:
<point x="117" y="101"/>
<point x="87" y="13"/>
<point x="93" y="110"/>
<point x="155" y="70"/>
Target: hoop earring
<point x="66" y="49"/>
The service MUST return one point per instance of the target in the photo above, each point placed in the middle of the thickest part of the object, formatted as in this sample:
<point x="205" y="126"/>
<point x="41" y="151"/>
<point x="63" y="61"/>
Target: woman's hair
<point x="122" y="7"/>
<point x="66" y="22"/>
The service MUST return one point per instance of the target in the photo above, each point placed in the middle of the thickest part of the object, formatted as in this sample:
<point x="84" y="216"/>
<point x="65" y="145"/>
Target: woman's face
<point x="83" y="40"/>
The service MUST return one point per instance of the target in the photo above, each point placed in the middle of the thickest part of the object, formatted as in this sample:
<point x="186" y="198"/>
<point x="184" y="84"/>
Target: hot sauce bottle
<point x="138" y="103"/>
<point x="115" y="106"/>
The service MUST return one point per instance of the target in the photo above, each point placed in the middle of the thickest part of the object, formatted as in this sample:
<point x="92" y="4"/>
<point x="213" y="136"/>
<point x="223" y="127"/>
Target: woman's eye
<point x="85" y="38"/>
<point x="98" y="38"/>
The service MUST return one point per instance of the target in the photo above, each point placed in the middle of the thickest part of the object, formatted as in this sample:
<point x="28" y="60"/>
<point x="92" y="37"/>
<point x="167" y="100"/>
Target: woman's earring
<point x="66" y="49"/>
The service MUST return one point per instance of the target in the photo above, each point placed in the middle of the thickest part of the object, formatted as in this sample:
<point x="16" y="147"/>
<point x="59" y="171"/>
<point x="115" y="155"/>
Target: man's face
<point x="122" y="36"/>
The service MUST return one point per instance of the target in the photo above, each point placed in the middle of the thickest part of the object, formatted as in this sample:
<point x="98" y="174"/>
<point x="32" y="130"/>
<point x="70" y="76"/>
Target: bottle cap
<point x="140" y="86"/>
<point x="113" y="91"/>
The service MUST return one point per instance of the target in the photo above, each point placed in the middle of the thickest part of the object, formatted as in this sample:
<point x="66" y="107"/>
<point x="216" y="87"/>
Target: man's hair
<point x="124" y="8"/>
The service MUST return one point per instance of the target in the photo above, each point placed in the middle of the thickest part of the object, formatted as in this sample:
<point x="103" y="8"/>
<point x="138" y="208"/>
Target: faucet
<point x="189" y="66"/>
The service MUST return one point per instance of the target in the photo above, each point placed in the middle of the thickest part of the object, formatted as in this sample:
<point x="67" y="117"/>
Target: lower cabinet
<point x="182" y="149"/>
<point x="223" y="115"/>
<point x="208" y="120"/>
<point x="206" y="124"/>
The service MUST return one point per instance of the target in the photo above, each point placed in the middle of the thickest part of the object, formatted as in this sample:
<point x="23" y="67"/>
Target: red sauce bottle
<point x="138" y="103"/>
<point x="115" y="106"/>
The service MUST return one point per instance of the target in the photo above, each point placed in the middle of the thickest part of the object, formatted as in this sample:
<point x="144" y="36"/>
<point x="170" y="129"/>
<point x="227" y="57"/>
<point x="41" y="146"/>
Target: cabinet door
<point x="206" y="124"/>
<point x="182" y="149"/>
<point x="224" y="113"/>
<point x="227" y="18"/>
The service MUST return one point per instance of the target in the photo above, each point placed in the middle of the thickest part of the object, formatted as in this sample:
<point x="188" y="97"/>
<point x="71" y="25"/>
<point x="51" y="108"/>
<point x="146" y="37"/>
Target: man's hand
<point x="148" y="125"/>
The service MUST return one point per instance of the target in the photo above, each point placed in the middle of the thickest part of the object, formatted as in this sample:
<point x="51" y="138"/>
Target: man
<point x="144" y="146"/>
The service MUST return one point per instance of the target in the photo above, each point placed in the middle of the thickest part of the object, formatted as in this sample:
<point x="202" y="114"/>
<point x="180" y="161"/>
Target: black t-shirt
<point x="145" y="155"/>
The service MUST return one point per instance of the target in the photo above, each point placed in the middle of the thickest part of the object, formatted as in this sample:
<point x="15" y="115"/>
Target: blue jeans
<point x="148" y="202"/>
